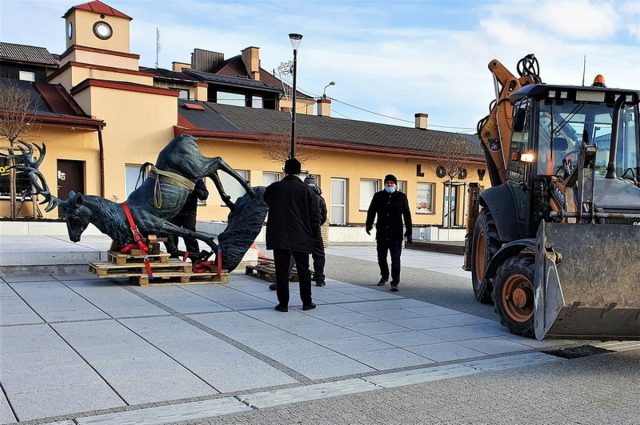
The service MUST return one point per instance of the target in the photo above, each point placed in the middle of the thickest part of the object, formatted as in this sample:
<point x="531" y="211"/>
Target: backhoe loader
<point x="554" y="243"/>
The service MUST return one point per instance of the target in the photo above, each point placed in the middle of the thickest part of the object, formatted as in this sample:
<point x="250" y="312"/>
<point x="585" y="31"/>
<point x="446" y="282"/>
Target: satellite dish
<point x="441" y="171"/>
<point x="462" y="173"/>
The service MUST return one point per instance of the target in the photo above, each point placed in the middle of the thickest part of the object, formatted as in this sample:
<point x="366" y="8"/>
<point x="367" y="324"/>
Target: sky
<point x="389" y="59"/>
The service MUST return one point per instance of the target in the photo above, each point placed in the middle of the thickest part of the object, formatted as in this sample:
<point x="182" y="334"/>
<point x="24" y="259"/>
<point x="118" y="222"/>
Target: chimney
<point x="205" y="60"/>
<point x="179" y="66"/>
<point x="421" y="120"/>
<point x="324" y="107"/>
<point x="251" y="59"/>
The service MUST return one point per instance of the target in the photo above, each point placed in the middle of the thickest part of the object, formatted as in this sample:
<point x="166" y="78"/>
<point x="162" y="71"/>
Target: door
<point x="70" y="177"/>
<point x="450" y="205"/>
<point x="338" y="201"/>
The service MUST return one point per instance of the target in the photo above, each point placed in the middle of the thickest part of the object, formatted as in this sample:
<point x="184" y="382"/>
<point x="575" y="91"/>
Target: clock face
<point x="102" y="30"/>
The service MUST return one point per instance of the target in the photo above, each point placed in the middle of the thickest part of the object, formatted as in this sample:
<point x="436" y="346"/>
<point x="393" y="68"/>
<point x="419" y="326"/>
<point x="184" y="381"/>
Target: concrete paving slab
<point x="422" y="323"/>
<point x="169" y="414"/>
<point x="21" y="381"/>
<point x="390" y="358"/>
<point x="6" y="414"/>
<point x="408" y="339"/>
<point x="137" y="389"/>
<point x="17" y="340"/>
<point x="400" y="303"/>
<point x="181" y="300"/>
<point x="375" y="328"/>
<point x="55" y="302"/>
<point x="445" y="351"/>
<point x="358" y="344"/>
<point x="113" y="299"/>
<point x="327" y="366"/>
<point x="495" y="345"/>
<point x="64" y="401"/>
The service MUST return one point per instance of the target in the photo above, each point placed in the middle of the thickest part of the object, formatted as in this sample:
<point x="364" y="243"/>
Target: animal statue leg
<point x="171" y="229"/>
<point x="225" y="198"/>
<point x="219" y="164"/>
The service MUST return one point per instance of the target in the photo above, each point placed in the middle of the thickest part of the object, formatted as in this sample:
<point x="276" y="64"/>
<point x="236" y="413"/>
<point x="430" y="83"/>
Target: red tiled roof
<point x="97" y="6"/>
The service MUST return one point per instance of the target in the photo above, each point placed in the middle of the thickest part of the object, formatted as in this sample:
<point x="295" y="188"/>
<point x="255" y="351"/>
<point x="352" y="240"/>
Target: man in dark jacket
<point x="292" y="228"/>
<point x="318" y="250"/>
<point x="187" y="218"/>
<point x="391" y="207"/>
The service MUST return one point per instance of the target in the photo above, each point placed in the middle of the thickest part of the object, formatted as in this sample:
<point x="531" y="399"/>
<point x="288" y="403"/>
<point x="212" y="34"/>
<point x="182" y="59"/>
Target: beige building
<point x="237" y="111"/>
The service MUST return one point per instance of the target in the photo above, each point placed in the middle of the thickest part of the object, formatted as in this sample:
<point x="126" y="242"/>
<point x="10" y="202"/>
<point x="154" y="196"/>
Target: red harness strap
<point x="138" y="238"/>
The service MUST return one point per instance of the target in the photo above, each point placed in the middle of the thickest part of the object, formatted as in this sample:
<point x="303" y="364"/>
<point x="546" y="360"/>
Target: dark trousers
<point x="281" y="258"/>
<point x="395" y="249"/>
<point x="318" y="261"/>
<point x="187" y="221"/>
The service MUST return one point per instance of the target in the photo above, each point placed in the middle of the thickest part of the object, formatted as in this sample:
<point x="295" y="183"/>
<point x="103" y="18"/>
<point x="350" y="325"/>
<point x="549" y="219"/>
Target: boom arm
<point x="494" y="130"/>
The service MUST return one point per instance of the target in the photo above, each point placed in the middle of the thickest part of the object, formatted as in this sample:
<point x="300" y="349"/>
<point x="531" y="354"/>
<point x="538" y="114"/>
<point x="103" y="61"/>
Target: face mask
<point x="390" y="189"/>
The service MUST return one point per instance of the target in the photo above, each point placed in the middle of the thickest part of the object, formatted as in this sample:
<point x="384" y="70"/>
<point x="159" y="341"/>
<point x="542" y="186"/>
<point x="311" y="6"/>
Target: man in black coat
<point x="391" y="207"/>
<point x="187" y="218"/>
<point x="318" y="250"/>
<point x="292" y="229"/>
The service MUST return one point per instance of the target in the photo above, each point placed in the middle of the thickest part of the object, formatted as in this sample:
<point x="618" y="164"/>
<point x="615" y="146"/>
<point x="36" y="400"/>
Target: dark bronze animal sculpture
<point x="158" y="199"/>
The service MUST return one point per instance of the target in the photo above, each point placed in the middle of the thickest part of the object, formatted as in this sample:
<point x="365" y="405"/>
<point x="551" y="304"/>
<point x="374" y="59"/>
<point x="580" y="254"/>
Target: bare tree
<point x="17" y="113"/>
<point x="452" y="163"/>
<point x="278" y="147"/>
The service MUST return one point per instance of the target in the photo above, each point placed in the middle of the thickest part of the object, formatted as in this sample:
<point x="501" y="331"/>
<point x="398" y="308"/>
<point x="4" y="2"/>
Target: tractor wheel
<point x="485" y="244"/>
<point x="513" y="295"/>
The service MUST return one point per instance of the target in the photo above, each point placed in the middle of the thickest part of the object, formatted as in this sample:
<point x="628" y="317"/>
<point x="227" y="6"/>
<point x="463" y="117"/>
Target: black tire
<point x="485" y="244"/>
<point x="514" y="295"/>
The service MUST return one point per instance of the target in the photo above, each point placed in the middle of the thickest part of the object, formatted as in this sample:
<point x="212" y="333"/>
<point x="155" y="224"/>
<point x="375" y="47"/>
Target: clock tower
<point x="97" y="25"/>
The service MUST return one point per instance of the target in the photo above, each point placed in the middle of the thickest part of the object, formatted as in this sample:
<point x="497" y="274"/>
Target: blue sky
<point x="394" y="57"/>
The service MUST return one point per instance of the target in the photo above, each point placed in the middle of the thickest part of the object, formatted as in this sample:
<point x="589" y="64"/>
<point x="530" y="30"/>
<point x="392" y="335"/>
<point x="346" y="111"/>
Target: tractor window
<point x="564" y="127"/>
<point x="519" y="138"/>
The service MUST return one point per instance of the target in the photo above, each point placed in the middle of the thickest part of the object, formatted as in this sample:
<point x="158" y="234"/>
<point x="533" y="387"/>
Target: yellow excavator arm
<point x="495" y="129"/>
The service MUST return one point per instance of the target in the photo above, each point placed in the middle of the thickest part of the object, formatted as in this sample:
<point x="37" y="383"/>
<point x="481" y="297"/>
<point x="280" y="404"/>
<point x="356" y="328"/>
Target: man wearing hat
<point x="318" y="250"/>
<point x="391" y="207"/>
<point x="292" y="228"/>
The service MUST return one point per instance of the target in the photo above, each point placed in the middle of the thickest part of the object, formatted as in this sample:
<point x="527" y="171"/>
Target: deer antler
<point x="37" y="179"/>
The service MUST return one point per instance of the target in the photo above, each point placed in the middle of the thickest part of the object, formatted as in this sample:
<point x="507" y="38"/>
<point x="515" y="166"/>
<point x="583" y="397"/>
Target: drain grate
<point x="576" y="352"/>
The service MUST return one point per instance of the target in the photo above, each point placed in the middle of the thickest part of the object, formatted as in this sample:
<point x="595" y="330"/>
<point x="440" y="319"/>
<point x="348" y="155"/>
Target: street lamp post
<point x="295" y="42"/>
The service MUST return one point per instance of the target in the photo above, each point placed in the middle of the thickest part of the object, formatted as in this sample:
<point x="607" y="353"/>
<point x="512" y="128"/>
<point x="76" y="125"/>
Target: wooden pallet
<point x="108" y="269"/>
<point x="122" y="259"/>
<point x="268" y="272"/>
<point x="182" y="278"/>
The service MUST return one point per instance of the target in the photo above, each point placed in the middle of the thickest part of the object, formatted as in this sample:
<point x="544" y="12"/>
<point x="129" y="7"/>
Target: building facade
<point x="237" y="111"/>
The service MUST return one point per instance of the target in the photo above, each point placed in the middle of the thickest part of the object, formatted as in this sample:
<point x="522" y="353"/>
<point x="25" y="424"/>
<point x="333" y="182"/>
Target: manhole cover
<point x="575" y="352"/>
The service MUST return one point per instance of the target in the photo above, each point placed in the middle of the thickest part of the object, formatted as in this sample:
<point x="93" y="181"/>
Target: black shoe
<point x="383" y="281"/>
<point x="282" y="309"/>
<point x="310" y="306"/>
<point x="394" y="288"/>
<point x="273" y="286"/>
<point x="320" y="283"/>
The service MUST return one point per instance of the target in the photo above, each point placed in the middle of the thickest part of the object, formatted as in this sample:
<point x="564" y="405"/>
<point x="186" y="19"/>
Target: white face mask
<point x="390" y="189"/>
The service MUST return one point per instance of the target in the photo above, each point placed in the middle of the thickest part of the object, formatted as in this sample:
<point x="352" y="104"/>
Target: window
<point x="367" y="189"/>
<point x="23" y="183"/>
<point x="183" y="93"/>
<point x="231" y="186"/>
<point x="269" y="178"/>
<point x="227" y="98"/>
<point x="132" y="171"/>
<point x="424" y="201"/>
<point x="338" y="201"/>
<point x="402" y="186"/>
<point x="27" y="76"/>
<point x="256" y="102"/>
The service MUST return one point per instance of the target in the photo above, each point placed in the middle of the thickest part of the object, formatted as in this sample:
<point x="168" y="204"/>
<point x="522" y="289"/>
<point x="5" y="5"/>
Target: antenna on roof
<point x="584" y="67"/>
<point x="157" y="45"/>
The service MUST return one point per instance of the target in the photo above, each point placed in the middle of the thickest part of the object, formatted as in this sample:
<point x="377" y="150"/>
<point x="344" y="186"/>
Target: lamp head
<point x="295" y="40"/>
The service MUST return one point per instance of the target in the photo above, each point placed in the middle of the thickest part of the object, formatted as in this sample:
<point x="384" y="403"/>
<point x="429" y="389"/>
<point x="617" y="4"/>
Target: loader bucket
<point x="587" y="281"/>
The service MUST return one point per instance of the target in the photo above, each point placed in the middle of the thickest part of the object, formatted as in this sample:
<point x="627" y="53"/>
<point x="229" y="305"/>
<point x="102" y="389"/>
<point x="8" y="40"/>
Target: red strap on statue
<point x="138" y="238"/>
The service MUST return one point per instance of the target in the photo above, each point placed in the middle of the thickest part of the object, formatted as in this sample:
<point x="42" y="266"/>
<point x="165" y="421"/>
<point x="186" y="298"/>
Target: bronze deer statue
<point x="158" y="199"/>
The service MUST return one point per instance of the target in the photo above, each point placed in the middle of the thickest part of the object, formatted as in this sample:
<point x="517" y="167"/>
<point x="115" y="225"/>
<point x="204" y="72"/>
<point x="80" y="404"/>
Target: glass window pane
<point x="269" y="177"/>
<point x="256" y="102"/>
<point x="231" y="186"/>
<point x="424" y="204"/>
<point x="402" y="185"/>
<point x="337" y="192"/>
<point x="337" y="215"/>
<point x="27" y="76"/>
<point x="131" y="177"/>
<point x="226" y="98"/>
<point x="367" y="189"/>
